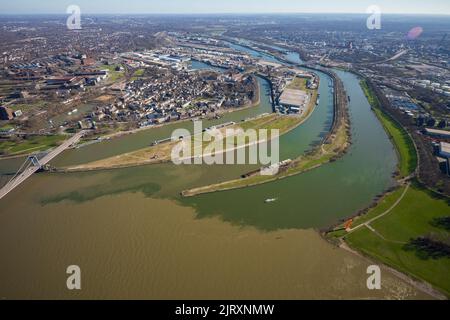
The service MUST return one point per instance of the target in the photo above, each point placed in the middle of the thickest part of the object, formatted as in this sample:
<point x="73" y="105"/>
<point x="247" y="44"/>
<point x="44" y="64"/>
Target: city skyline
<point x="232" y="6"/>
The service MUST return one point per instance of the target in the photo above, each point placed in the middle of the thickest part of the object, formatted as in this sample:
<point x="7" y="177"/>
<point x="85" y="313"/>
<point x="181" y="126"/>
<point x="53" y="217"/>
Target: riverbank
<point x="402" y="231"/>
<point x="255" y="102"/>
<point x="334" y="145"/>
<point x="392" y="228"/>
<point x="30" y="145"/>
<point x="404" y="145"/>
<point x="122" y="212"/>
<point x="162" y="153"/>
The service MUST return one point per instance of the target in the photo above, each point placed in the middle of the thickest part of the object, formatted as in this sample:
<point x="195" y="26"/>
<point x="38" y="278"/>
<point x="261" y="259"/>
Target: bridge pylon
<point x="35" y="161"/>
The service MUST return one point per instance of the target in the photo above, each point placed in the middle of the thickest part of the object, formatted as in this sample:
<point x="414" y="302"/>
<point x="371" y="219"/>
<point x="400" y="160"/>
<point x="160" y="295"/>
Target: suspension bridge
<point x="32" y="164"/>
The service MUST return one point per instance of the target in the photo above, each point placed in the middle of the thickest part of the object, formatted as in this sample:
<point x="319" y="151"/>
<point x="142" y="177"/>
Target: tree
<point x="431" y="122"/>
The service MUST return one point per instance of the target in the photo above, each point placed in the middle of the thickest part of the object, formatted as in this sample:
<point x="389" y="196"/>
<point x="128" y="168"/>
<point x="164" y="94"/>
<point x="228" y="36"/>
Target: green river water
<point x="134" y="237"/>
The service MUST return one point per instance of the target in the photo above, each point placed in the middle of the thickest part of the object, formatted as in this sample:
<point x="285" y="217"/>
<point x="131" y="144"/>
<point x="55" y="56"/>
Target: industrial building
<point x="437" y="133"/>
<point x="444" y="150"/>
<point x="443" y="156"/>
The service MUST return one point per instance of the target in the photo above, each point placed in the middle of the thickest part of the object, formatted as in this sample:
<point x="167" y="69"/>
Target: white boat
<point x="270" y="200"/>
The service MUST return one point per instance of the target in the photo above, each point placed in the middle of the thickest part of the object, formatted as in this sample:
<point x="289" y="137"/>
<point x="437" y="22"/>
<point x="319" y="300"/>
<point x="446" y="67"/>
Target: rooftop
<point x="445" y="147"/>
<point x="438" y="132"/>
<point x="293" y="97"/>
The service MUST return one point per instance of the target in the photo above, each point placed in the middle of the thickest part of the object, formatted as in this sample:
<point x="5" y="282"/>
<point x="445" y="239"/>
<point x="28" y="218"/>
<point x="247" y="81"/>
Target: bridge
<point x="33" y="164"/>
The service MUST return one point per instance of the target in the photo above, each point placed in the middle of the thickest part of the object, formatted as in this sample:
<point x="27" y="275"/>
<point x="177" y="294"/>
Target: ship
<point x="270" y="200"/>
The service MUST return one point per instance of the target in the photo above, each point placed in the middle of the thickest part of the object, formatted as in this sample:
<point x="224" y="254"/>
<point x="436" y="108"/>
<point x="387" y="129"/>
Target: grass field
<point x="30" y="145"/>
<point x="321" y="155"/>
<point x="162" y="152"/>
<point x="113" y="74"/>
<point x="410" y="219"/>
<point x="6" y="127"/>
<point x="369" y="94"/>
<point x="137" y="74"/>
<point x="298" y="83"/>
<point x="25" y="107"/>
<point x="383" y="205"/>
<point x="404" y="145"/>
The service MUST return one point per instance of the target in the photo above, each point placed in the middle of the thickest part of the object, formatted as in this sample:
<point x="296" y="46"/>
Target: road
<point x="395" y="57"/>
<point x="30" y="170"/>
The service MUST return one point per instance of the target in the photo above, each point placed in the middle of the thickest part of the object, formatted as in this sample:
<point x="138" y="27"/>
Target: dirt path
<point x="420" y="285"/>
<point x="367" y="223"/>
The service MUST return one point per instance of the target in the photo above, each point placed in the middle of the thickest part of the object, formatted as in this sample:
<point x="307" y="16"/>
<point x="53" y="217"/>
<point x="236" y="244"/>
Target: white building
<point x="444" y="150"/>
<point x="294" y="101"/>
<point x="437" y="133"/>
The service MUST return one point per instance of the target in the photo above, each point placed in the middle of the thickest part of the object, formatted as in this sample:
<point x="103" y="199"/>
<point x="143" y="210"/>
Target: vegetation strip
<point x="408" y="228"/>
<point x="29" y="144"/>
<point x="162" y="152"/>
<point x="334" y="146"/>
<point x="400" y="137"/>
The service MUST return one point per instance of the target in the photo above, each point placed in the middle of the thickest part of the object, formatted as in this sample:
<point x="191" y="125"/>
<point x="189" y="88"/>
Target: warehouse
<point x="437" y="133"/>
<point x="293" y="101"/>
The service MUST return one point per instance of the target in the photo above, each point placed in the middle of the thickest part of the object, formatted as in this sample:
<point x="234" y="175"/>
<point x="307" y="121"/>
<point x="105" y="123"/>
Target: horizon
<point x="193" y="7"/>
<point x="223" y="14"/>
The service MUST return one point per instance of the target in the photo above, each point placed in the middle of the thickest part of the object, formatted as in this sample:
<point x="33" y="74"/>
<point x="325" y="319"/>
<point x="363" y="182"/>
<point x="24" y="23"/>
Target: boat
<point x="349" y="99"/>
<point x="270" y="200"/>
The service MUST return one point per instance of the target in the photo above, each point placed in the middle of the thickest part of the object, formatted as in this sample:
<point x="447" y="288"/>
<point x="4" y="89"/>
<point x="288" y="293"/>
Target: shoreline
<point x="157" y="160"/>
<point x="418" y="284"/>
<point x="114" y="135"/>
<point x="341" y="122"/>
<point x="221" y="112"/>
<point x="81" y="168"/>
<point x="416" y="281"/>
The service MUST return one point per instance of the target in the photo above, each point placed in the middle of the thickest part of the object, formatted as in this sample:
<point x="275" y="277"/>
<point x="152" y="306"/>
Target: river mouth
<point x="129" y="246"/>
<point x="135" y="237"/>
<point x="311" y="200"/>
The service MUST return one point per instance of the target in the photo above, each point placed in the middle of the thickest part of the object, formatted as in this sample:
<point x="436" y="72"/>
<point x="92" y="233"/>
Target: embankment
<point x="334" y="145"/>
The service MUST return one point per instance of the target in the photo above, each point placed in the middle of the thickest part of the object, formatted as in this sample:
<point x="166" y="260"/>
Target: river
<point x="134" y="237"/>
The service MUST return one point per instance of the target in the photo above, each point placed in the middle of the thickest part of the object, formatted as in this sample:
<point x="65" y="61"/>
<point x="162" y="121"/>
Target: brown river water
<point x="134" y="237"/>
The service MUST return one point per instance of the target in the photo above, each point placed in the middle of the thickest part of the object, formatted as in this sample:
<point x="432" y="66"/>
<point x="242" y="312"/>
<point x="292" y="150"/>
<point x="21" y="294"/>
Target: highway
<point x="395" y="57"/>
<point x="30" y="170"/>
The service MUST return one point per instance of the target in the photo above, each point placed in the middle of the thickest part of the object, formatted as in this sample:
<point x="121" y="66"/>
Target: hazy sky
<point x="224" y="6"/>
